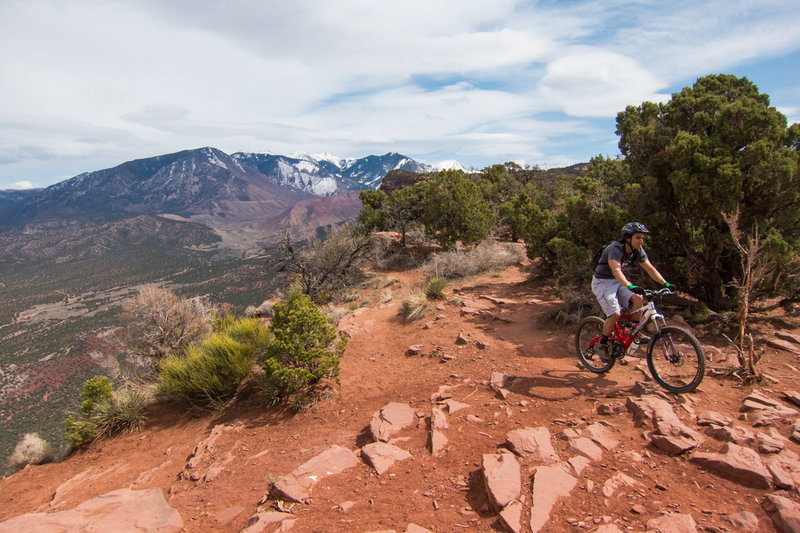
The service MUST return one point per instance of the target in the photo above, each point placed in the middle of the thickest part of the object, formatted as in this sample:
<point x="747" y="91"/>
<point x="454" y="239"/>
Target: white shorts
<point x="611" y="295"/>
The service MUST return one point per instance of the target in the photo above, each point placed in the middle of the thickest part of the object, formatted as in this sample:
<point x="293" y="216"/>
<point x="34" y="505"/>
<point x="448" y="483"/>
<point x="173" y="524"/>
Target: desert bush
<point x="414" y="307"/>
<point x="325" y="266"/>
<point x="208" y="374"/>
<point x="31" y="450"/>
<point x="105" y="412"/>
<point x="124" y="412"/>
<point x="160" y="323"/>
<point x="302" y="351"/>
<point x="434" y="288"/>
<point x="489" y="255"/>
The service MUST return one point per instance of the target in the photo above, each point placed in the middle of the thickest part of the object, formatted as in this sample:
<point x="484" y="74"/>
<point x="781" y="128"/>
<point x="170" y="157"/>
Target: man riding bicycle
<point x="610" y="284"/>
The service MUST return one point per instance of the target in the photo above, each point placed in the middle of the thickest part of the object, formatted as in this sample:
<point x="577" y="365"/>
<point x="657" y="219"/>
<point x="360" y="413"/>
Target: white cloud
<point x="588" y="82"/>
<point x="98" y="83"/>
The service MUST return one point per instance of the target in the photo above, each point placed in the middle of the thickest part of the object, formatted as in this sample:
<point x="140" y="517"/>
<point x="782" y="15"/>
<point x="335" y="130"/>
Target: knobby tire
<point x="676" y="360"/>
<point x="589" y="328"/>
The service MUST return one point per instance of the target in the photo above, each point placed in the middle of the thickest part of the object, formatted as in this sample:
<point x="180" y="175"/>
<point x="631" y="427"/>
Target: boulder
<point x="381" y="456"/>
<point x="672" y="523"/>
<point x="738" y="464"/>
<point x="785" y="513"/>
<point x="296" y="487"/>
<point x="549" y="484"/>
<point x="534" y="443"/>
<point x="392" y="418"/>
<point x="122" y="510"/>
<point x="502" y="478"/>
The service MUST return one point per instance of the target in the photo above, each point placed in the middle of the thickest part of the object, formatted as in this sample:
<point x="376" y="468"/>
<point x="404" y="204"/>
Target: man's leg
<point x="608" y="325"/>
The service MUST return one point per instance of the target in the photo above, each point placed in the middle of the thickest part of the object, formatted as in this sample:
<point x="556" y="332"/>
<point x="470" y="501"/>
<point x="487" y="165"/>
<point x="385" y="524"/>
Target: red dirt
<point x="441" y="494"/>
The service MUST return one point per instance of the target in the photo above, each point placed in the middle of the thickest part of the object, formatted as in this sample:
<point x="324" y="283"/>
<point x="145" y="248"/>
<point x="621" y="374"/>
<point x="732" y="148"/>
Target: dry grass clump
<point x="414" y="307"/>
<point x="489" y="255"/>
<point x="31" y="450"/>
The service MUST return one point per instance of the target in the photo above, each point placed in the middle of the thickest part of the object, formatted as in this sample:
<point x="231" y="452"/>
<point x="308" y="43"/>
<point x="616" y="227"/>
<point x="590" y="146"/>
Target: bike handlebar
<point x="665" y="290"/>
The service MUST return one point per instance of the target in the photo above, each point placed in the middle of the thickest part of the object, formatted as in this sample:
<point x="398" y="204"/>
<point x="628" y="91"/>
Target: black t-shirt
<point x="616" y="251"/>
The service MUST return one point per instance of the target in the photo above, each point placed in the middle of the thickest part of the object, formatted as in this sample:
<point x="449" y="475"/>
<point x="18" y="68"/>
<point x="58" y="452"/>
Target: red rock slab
<point x="738" y="464"/>
<point x="672" y="523"/>
<point x="296" y="487"/>
<point x="259" y="522"/>
<point x="381" y="456"/>
<point x="502" y="478"/>
<point x="392" y="418"/>
<point x="535" y="443"/>
<point x="511" y="516"/>
<point x="784" y="512"/>
<point x="549" y="484"/>
<point x="119" y="511"/>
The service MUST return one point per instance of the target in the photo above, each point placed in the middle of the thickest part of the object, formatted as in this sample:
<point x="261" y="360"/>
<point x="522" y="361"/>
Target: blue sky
<point x="89" y="84"/>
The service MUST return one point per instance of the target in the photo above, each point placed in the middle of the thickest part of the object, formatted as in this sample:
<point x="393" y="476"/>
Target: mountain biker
<point x="610" y="284"/>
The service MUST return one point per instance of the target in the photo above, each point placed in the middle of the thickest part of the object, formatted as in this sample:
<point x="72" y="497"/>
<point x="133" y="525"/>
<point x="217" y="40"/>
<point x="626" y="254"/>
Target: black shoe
<point x="602" y="351"/>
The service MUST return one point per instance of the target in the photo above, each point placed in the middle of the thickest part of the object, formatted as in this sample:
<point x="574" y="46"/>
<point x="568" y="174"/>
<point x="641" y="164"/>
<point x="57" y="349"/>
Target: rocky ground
<point x="475" y="418"/>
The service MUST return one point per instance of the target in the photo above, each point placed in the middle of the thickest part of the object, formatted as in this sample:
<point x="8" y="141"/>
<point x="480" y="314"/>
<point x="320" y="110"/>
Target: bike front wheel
<point x="589" y="331"/>
<point x="676" y="360"/>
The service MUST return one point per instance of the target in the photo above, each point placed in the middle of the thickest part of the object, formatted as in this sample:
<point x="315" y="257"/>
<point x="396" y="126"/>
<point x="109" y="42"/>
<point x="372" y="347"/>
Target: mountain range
<point x="246" y="198"/>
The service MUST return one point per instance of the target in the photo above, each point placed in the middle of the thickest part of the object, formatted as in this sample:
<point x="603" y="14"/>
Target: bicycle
<point x="674" y="356"/>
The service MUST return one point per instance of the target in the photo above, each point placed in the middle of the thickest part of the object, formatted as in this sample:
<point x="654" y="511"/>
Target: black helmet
<point x="633" y="227"/>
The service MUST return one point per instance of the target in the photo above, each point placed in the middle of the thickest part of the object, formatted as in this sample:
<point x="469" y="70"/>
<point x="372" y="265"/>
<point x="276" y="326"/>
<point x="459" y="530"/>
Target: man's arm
<point x="616" y="270"/>
<point x="651" y="271"/>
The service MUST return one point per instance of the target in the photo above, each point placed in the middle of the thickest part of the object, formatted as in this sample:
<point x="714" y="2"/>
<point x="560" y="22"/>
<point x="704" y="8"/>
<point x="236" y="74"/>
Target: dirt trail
<point x="504" y="319"/>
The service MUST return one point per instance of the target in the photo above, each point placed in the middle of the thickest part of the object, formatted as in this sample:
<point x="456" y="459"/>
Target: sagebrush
<point x="31" y="450"/>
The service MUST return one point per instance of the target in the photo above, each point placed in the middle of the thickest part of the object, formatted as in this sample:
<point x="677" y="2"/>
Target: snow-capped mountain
<point x="326" y="174"/>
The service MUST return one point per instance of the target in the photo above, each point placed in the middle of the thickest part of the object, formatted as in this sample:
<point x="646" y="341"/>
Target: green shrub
<point x="248" y="331"/>
<point x="209" y="373"/>
<point x="95" y="390"/>
<point x="104" y="412"/>
<point x="434" y="288"/>
<point x="303" y="349"/>
<point x="414" y="307"/>
<point x="79" y="431"/>
<point x="124" y="412"/>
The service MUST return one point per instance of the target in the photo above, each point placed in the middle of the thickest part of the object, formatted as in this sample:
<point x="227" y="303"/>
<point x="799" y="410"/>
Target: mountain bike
<point x="674" y="356"/>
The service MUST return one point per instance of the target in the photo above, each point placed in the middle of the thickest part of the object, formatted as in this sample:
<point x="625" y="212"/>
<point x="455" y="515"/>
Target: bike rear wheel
<point x="676" y="360"/>
<point x="590" y="329"/>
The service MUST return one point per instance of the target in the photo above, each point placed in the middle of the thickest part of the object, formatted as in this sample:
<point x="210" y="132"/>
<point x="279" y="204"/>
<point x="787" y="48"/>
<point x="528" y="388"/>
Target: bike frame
<point x="649" y="313"/>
